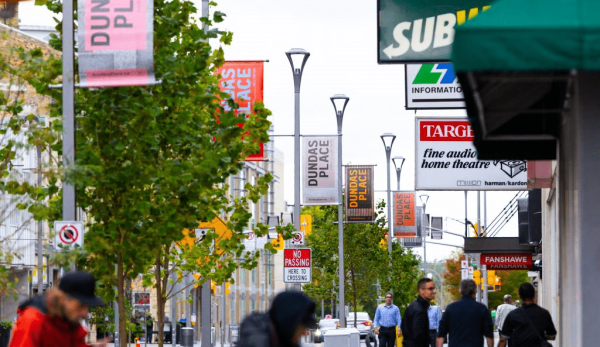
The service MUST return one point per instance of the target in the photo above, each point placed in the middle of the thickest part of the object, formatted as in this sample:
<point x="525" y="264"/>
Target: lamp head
<point x="388" y="140"/>
<point x="424" y="198"/>
<point x="297" y="58"/>
<point x="398" y="162"/>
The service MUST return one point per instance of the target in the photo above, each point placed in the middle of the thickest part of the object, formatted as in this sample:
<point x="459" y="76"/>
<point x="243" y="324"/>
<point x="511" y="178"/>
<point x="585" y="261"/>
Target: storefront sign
<point x="421" y="30"/>
<point x="432" y="86"/>
<point x="297" y="265"/>
<point x="359" y="193"/>
<point x="507" y="261"/>
<point x="405" y="223"/>
<point x="446" y="159"/>
<point x="115" y="43"/>
<point x="243" y="81"/>
<point x="320" y="171"/>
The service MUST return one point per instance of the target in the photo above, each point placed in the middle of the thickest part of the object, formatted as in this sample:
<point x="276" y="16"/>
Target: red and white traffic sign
<point x="68" y="234"/>
<point x="507" y="261"/>
<point x="298" y="239"/>
<point x="297" y="265"/>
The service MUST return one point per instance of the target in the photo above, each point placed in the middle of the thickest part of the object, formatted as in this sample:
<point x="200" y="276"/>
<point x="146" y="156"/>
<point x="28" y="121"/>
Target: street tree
<point x="152" y="161"/>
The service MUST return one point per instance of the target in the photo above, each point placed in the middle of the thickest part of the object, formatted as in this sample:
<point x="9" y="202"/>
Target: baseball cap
<point x="81" y="286"/>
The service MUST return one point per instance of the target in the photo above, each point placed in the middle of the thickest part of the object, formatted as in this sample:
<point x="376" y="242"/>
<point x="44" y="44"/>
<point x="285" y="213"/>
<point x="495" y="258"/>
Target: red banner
<point x="507" y="261"/>
<point x="405" y="224"/>
<point x="243" y="81"/>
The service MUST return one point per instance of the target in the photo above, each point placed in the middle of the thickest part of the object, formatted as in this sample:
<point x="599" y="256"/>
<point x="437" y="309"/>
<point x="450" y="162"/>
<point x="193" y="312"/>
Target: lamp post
<point x="398" y="162"/>
<point x="388" y="142"/>
<point x="339" y="102"/>
<point x="424" y="198"/>
<point x="297" y="58"/>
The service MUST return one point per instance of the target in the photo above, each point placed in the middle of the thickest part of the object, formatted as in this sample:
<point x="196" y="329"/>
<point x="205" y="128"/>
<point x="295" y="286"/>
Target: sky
<point x="341" y="36"/>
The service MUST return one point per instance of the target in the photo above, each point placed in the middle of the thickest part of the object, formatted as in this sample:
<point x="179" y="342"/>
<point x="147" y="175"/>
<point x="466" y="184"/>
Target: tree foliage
<point x="152" y="161"/>
<point x="364" y="261"/>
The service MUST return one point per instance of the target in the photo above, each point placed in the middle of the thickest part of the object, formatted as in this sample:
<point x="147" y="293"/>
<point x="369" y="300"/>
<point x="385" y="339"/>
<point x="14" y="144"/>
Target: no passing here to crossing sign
<point x="297" y="265"/>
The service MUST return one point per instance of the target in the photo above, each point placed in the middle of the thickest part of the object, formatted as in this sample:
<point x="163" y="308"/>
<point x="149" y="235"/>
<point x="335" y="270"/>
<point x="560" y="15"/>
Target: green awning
<point x="530" y="35"/>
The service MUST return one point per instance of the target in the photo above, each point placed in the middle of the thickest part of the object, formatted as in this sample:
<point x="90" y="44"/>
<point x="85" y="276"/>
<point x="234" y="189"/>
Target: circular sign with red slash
<point x="298" y="239"/>
<point x="251" y="236"/>
<point x="68" y="234"/>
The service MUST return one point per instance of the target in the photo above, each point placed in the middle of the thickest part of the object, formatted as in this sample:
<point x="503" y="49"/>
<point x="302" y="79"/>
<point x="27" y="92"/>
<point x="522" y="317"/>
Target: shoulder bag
<point x="543" y="342"/>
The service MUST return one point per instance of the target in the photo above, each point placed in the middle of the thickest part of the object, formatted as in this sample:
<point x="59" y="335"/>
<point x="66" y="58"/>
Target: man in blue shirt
<point x="387" y="317"/>
<point x="434" y="322"/>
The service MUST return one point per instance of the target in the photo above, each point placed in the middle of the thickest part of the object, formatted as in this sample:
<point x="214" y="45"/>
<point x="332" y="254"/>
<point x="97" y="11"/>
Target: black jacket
<point x="256" y="330"/>
<point x="415" y="324"/>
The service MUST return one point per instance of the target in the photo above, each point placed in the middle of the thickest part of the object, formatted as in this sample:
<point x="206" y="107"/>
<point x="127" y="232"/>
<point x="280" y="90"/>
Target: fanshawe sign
<point x="359" y="194"/>
<point x="297" y="265"/>
<point x="507" y="261"/>
<point x="421" y="30"/>
<point x="404" y="213"/>
<point x="243" y="81"/>
<point x="446" y="159"/>
<point x="432" y="86"/>
<point x="115" y="43"/>
<point x="319" y="171"/>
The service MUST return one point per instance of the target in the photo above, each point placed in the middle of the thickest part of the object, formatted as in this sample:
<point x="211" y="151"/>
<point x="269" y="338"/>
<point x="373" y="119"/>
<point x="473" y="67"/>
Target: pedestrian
<point x="434" y="314"/>
<point x="503" y="311"/>
<point x="466" y="320"/>
<point x="53" y="319"/>
<point x="529" y="325"/>
<point x="387" y="318"/>
<point x="415" y="323"/>
<point x="290" y="315"/>
<point x="149" y="327"/>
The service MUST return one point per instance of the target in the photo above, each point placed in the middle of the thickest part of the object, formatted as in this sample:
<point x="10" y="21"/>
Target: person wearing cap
<point x="53" y="319"/>
<point x="290" y="315"/>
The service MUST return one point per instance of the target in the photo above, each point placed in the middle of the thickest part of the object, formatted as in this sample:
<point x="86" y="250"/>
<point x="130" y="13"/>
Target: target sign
<point x="68" y="234"/>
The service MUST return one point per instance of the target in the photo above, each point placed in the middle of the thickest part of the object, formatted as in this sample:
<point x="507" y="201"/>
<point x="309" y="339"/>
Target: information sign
<point x="297" y="265"/>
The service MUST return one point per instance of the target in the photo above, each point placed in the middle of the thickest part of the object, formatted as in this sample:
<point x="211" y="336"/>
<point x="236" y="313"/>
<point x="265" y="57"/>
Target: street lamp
<point x="339" y="102"/>
<point x="424" y="198"/>
<point x="398" y="162"/>
<point x="297" y="58"/>
<point x="388" y="142"/>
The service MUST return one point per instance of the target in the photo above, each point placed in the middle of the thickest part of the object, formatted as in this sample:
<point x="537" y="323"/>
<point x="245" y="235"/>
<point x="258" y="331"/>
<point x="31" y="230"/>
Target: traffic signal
<point x="477" y="277"/>
<point x="383" y="242"/>
<point x="497" y="284"/>
<point x="278" y="243"/>
<point x="213" y="287"/>
<point x="491" y="277"/>
<point x="474" y="227"/>
<point x="227" y="289"/>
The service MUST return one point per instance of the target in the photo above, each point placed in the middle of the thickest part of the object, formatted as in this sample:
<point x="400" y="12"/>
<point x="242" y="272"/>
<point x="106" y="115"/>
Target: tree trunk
<point x="121" y="301"/>
<point x="354" y="300"/>
<point x="161" y="294"/>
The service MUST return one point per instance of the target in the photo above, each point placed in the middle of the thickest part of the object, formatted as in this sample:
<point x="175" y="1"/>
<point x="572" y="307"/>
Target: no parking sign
<point x="68" y="234"/>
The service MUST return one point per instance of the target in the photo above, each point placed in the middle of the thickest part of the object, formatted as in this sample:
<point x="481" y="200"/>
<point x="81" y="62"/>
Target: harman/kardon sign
<point x="507" y="261"/>
<point x="446" y="159"/>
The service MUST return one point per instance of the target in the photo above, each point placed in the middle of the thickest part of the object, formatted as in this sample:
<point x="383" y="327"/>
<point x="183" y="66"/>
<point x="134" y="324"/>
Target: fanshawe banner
<point x="319" y="171"/>
<point x="421" y="30"/>
<point x="115" y="43"/>
<point x="446" y="159"/>
<point x="359" y="194"/>
<point x="507" y="261"/>
<point x="404" y="214"/>
<point x="432" y="86"/>
<point x="243" y="81"/>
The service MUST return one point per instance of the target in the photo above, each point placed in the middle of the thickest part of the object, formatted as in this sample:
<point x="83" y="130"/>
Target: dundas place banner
<point x="359" y="194"/>
<point x="243" y="81"/>
<point x="405" y="221"/>
<point x="446" y="159"/>
<point x="320" y="171"/>
<point x="115" y="43"/>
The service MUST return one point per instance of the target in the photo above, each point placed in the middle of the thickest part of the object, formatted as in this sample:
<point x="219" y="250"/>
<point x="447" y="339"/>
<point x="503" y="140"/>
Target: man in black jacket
<point x="466" y="320"/>
<point x="415" y="323"/>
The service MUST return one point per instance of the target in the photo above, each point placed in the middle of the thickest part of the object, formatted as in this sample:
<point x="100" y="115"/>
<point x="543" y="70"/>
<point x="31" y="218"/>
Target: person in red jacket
<point x="53" y="319"/>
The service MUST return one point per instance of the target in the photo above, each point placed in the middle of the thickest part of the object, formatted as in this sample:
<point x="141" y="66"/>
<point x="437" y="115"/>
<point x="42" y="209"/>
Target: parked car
<point x="364" y="325"/>
<point x="324" y="325"/>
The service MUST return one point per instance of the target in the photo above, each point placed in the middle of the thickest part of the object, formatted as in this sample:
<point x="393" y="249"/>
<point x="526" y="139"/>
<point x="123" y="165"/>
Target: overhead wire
<point x="507" y="213"/>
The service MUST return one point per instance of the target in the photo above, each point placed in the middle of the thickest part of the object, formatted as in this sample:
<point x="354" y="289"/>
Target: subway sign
<point x="507" y="261"/>
<point x="421" y="30"/>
